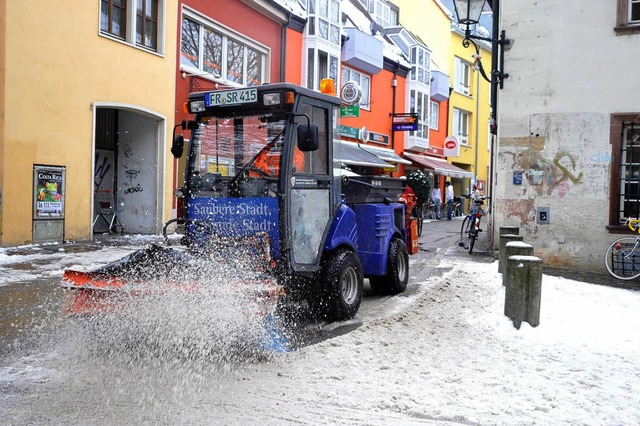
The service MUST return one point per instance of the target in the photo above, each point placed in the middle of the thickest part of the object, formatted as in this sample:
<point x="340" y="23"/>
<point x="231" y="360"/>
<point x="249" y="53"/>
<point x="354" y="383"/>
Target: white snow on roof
<point x="294" y="6"/>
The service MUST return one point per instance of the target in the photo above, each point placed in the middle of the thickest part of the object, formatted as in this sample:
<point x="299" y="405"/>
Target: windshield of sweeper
<point x="228" y="146"/>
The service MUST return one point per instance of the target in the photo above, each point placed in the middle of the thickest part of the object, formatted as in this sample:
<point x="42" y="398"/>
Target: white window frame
<point x="419" y="104"/>
<point x="226" y="36"/>
<point x="462" y="76"/>
<point x="421" y="61"/>
<point x="316" y="71"/>
<point x="434" y="115"/>
<point x="349" y="74"/>
<point x="401" y="38"/>
<point x="131" y="22"/>
<point x="380" y="11"/>
<point x="461" y="122"/>
<point x="320" y="16"/>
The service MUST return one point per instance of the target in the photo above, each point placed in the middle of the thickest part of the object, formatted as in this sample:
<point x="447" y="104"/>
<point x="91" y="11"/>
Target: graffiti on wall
<point x="550" y="175"/>
<point x="103" y="174"/>
<point x="131" y="165"/>
<point x="522" y="209"/>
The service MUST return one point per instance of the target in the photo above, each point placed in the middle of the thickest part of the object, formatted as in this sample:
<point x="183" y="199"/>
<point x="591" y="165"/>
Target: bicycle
<point x="471" y="225"/>
<point x="622" y="258"/>
<point x="418" y="213"/>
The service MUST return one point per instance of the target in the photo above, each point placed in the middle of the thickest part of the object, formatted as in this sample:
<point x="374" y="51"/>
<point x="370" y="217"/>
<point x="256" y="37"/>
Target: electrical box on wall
<point x="543" y="215"/>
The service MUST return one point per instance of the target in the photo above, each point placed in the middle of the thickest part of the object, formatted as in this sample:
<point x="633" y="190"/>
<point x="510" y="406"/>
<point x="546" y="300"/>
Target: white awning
<point x="385" y="154"/>
<point x="439" y="166"/>
<point x="349" y="153"/>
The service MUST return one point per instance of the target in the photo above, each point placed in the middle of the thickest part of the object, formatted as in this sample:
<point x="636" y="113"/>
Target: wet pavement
<point x="37" y="293"/>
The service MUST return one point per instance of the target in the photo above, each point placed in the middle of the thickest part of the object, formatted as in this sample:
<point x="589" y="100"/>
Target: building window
<point x="462" y="76"/>
<point x="382" y="13"/>
<point x="363" y="80"/>
<point x="434" y="115"/>
<point x="421" y="61"/>
<point x="625" y="167"/>
<point x="229" y="58"/>
<point x="401" y="38"/>
<point x="113" y="17"/>
<point x="628" y="17"/>
<point x="324" y="20"/>
<point x="461" y="125"/>
<point x="147" y="23"/>
<point x="320" y="64"/>
<point x="418" y="104"/>
<point x="136" y="22"/>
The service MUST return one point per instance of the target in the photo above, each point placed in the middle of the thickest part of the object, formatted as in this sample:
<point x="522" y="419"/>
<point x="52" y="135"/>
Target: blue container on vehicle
<point x="377" y="224"/>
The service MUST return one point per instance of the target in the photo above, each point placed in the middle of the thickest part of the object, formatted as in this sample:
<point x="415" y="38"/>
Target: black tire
<point x="464" y="231"/>
<point x="339" y="288"/>
<point x="397" y="277"/>
<point x="473" y="235"/>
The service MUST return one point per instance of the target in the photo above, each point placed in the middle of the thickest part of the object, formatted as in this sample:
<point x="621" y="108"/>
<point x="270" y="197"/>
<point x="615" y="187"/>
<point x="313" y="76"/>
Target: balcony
<point x="362" y="51"/>
<point x="439" y="86"/>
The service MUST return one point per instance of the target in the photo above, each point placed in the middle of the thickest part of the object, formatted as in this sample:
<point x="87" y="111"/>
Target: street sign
<point x="404" y="122"/>
<point x="350" y="111"/>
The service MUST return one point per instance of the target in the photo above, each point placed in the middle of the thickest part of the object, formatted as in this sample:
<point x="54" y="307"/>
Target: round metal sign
<point x="350" y="93"/>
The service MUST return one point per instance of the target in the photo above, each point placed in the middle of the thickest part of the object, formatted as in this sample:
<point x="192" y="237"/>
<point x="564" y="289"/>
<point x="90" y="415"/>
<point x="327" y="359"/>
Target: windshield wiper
<point x="250" y="163"/>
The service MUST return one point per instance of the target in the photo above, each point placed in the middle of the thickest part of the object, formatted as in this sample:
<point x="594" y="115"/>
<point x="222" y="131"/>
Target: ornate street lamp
<point x="468" y="13"/>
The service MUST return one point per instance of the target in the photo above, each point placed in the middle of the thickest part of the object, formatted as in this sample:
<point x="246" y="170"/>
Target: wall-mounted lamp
<point x="468" y="13"/>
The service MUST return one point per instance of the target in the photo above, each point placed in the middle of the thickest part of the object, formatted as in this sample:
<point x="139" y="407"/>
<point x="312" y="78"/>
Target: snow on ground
<point x="33" y="261"/>
<point x="451" y="357"/>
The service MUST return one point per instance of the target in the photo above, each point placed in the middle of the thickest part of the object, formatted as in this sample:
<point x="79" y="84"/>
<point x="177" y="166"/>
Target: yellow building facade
<point x="469" y="103"/>
<point x="87" y="115"/>
<point x="470" y="111"/>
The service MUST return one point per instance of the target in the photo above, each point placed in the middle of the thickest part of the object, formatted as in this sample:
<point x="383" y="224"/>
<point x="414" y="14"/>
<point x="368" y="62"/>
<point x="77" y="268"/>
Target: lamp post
<point x="468" y="13"/>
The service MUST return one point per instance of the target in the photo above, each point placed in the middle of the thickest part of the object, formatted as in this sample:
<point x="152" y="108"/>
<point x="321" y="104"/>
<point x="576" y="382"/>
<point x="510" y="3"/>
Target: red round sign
<point x="450" y="144"/>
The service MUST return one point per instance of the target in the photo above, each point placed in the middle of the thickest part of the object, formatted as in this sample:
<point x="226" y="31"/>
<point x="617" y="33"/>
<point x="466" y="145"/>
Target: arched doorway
<point x="127" y="195"/>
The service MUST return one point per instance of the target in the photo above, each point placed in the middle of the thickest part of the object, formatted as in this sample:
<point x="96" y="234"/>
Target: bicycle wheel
<point x="464" y="231"/>
<point x="467" y="223"/>
<point x="623" y="259"/>
<point x="470" y="234"/>
<point x="420" y="221"/>
<point x="473" y="236"/>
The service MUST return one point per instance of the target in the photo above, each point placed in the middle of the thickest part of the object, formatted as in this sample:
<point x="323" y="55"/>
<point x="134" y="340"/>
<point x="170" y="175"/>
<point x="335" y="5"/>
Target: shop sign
<point x="378" y="137"/>
<point x="350" y="132"/>
<point x="451" y="147"/>
<point x="404" y="122"/>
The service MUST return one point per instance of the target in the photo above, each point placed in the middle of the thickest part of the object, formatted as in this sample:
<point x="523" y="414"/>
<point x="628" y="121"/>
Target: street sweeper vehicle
<point x="264" y="190"/>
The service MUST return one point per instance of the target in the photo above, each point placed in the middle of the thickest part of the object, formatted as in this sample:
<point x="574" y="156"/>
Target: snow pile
<point x="451" y="357"/>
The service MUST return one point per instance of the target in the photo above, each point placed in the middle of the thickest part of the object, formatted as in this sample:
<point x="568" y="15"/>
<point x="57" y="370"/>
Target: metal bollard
<point x="523" y="290"/>
<point x="509" y="229"/>
<point x="516" y="248"/>
<point x="502" y="253"/>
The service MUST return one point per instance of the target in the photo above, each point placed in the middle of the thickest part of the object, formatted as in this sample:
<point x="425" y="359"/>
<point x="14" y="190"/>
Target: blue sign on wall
<point x="517" y="178"/>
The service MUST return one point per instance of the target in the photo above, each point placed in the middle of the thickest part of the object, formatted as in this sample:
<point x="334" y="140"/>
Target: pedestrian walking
<point x="436" y="199"/>
<point x="448" y="190"/>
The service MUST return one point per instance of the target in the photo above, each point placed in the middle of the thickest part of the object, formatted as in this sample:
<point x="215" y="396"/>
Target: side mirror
<point x="189" y="125"/>
<point x="308" y="137"/>
<point x="177" y="147"/>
